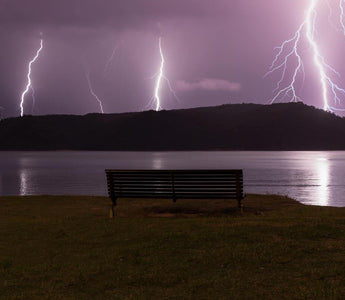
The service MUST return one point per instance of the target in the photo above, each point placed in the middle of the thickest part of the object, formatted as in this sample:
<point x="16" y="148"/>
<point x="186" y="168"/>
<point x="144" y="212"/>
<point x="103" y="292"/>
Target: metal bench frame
<point x="175" y="184"/>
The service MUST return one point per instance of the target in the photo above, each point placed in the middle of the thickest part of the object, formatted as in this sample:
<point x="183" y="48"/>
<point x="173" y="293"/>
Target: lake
<point x="311" y="177"/>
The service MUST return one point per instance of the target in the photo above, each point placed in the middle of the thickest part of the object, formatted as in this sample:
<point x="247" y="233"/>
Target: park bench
<point x="175" y="184"/>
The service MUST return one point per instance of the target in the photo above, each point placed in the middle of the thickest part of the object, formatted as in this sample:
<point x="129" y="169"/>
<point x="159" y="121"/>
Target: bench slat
<point x="181" y="196"/>
<point x="178" y="180"/>
<point x="120" y="191"/>
<point x="196" y="185"/>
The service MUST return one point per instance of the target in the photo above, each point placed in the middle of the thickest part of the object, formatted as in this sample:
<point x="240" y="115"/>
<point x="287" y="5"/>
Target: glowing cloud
<point x="208" y="84"/>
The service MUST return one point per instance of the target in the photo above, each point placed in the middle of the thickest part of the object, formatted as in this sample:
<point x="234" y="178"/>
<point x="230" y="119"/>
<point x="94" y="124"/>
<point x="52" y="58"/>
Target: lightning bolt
<point x="159" y="77"/>
<point x="110" y="60"/>
<point x="87" y="75"/>
<point x="156" y="101"/>
<point x="342" y="9"/>
<point x="29" y="82"/>
<point x="291" y="47"/>
<point x="33" y="95"/>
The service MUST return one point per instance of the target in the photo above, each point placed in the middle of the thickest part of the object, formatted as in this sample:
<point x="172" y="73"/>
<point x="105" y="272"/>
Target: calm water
<point x="310" y="177"/>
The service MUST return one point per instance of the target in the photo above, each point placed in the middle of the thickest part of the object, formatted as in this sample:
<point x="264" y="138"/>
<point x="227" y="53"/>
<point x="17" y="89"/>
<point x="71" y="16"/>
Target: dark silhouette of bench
<point x="175" y="184"/>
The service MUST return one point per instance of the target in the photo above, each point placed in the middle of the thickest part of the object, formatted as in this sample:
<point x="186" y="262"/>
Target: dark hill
<point x="292" y="126"/>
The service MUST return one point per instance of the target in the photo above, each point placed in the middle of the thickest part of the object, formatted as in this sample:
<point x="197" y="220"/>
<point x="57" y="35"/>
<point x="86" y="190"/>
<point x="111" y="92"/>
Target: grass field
<point x="68" y="248"/>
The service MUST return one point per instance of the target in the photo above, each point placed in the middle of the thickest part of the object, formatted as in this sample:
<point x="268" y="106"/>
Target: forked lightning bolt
<point x="342" y="14"/>
<point x="110" y="60"/>
<point x="156" y="101"/>
<point x="87" y="75"/>
<point x="159" y="77"/>
<point x="33" y="95"/>
<point x="289" y="51"/>
<point x="29" y="82"/>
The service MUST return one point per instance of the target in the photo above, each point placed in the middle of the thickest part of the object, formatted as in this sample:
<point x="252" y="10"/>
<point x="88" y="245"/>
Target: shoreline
<point x="250" y="195"/>
<point x="166" y="151"/>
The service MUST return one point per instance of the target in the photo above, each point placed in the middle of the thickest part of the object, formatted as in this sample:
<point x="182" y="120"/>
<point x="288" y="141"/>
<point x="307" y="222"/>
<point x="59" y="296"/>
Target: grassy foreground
<point x="68" y="248"/>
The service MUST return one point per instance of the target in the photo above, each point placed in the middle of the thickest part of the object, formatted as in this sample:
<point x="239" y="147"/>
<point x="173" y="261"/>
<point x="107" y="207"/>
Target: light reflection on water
<point x="316" y="178"/>
<point x="157" y="161"/>
<point x="322" y="173"/>
<point x="23" y="183"/>
<point x="24" y="176"/>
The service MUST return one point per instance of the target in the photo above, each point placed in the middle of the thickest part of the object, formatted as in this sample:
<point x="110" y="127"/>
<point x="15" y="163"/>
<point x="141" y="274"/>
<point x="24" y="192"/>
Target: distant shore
<point x="232" y="127"/>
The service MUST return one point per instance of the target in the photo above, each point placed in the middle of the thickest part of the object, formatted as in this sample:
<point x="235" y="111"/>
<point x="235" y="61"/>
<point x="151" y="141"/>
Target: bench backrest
<point x="175" y="184"/>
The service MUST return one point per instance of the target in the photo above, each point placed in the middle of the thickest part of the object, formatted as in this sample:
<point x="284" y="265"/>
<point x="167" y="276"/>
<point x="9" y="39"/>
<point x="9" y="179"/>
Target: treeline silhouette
<point x="291" y="126"/>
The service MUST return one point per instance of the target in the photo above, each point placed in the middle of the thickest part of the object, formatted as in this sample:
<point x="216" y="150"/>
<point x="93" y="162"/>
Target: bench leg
<point x="240" y="205"/>
<point x="112" y="209"/>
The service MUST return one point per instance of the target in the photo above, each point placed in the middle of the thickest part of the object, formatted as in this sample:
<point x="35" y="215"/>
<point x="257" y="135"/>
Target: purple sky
<point x="217" y="51"/>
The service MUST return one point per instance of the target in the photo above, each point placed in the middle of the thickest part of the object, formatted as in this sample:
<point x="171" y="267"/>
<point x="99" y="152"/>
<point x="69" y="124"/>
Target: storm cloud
<point x="103" y="13"/>
<point x="216" y="52"/>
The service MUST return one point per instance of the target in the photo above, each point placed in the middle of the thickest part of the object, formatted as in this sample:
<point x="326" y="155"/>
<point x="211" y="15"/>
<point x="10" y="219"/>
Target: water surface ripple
<point x="311" y="177"/>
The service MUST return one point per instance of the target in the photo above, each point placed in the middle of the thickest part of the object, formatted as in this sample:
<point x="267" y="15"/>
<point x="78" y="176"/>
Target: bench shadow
<point x="190" y="211"/>
<point x="253" y="205"/>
